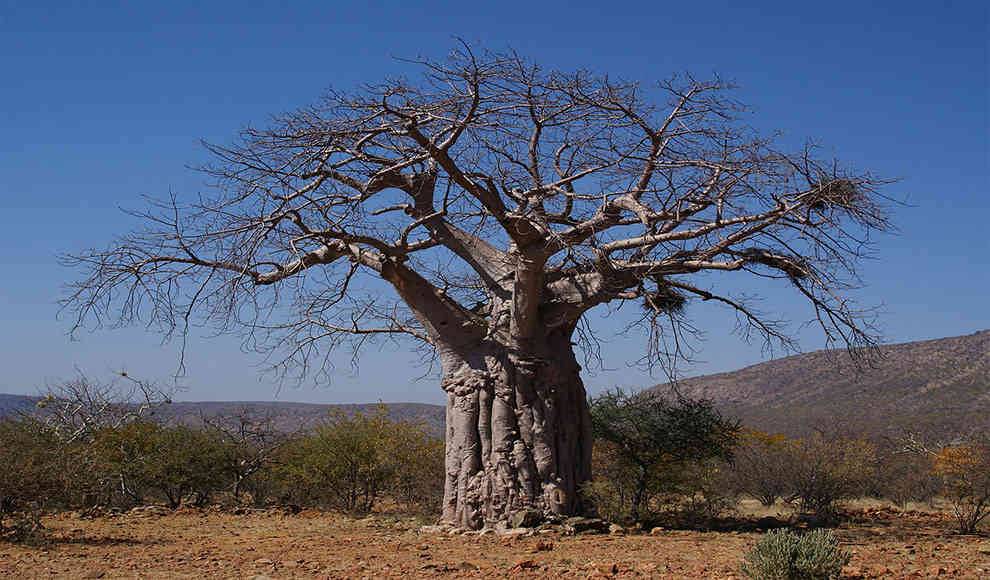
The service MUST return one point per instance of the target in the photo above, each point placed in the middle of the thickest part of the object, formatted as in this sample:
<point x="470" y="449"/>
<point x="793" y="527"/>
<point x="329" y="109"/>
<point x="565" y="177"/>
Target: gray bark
<point x="518" y="434"/>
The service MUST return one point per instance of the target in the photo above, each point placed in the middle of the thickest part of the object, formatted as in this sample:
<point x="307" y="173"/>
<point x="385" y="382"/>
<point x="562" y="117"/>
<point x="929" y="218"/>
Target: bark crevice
<point x="518" y="436"/>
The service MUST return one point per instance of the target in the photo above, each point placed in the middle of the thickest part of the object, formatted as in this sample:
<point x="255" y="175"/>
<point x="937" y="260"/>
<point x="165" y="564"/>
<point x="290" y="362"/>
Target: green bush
<point x="654" y="455"/>
<point x="785" y="555"/>
<point x="349" y="462"/>
<point x="173" y="462"/>
<point x="37" y="471"/>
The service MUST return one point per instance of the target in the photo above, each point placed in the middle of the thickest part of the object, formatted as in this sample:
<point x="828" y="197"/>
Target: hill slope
<point x="941" y="384"/>
<point x="938" y="385"/>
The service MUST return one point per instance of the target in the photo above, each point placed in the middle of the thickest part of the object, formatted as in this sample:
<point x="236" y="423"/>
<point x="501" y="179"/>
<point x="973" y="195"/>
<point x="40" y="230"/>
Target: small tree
<point x="904" y="476"/>
<point x="965" y="470"/>
<point x="760" y="466"/>
<point x="824" y="471"/>
<point x="250" y="444"/>
<point x="649" y="438"/>
<point x="349" y="461"/>
<point x="417" y="464"/>
<point x="76" y="409"/>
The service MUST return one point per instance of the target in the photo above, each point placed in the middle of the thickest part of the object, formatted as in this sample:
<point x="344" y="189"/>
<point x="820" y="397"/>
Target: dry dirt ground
<point x="212" y="543"/>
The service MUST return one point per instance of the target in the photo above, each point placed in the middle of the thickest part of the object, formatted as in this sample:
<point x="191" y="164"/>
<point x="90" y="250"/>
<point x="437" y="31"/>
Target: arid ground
<point x="213" y="543"/>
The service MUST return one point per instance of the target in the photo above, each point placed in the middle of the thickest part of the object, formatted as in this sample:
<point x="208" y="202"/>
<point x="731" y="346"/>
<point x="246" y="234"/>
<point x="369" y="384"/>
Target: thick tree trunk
<point x="518" y="435"/>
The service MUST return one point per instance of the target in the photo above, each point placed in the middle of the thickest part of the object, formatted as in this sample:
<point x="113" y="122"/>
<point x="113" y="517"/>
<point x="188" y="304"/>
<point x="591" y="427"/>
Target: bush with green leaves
<point x="31" y="471"/>
<point x="652" y="452"/>
<point x="786" y="555"/>
<point x="349" y="462"/>
<point x="38" y="471"/>
<point x="172" y="462"/>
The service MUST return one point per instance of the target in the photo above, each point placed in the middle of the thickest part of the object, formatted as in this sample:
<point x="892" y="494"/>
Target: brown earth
<point x="212" y="543"/>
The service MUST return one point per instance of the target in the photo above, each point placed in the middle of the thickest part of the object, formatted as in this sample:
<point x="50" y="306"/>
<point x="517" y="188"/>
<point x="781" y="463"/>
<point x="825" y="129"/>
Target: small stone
<point x="578" y="524"/>
<point x="467" y="566"/>
<point x="525" y="519"/>
<point x="512" y="532"/>
<point x="525" y="565"/>
<point x="263" y="562"/>
<point x="544" y="545"/>
<point x="616" y="529"/>
<point x="657" y="531"/>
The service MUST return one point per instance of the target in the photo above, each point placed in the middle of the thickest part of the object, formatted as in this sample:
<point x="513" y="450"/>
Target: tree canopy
<point x="492" y="194"/>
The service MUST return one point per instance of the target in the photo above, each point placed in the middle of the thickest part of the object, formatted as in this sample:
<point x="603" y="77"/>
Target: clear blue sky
<point x="104" y="102"/>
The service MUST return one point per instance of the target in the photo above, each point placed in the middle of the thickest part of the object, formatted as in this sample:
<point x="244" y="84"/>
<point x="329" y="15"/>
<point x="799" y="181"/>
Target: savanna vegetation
<point x="673" y="461"/>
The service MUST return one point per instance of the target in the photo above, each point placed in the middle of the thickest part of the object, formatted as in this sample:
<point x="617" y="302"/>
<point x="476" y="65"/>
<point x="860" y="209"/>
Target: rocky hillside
<point x="941" y="384"/>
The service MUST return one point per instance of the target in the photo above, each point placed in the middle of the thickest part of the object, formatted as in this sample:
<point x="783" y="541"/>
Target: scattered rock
<point x="578" y="524"/>
<point x="524" y="565"/>
<point x="263" y="562"/>
<point x="150" y="510"/>
<point x="809" y="520"/>
<point x="513" y="532"/>
<point x="616" y="529"/>
<point x="290" y="509"/>
<point x="609" y="568"/>
<point x="525" y="519"/>
<point x="544" y="545"/>
<point x="467" y="566"/>
<point x="435" y="529"/>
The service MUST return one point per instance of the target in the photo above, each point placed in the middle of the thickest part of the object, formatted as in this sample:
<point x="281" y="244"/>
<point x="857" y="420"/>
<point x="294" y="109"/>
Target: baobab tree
<point x="481" y="211"/>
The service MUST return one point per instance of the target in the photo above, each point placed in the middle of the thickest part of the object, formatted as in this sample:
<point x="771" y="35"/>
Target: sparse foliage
<point x="823" y="472"/>
<point x="481" y="211"/>
<point x="760" y="466"/>
<point x="250" y="444"/>
<point x="76" y="409"/>
<point x="965" y="470"/>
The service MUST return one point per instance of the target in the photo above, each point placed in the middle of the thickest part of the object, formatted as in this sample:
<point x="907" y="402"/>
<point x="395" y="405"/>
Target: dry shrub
<point x="965" y="470"/>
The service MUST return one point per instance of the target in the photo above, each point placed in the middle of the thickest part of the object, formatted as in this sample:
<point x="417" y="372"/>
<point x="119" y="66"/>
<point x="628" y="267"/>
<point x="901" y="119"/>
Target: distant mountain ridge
<point x="941" y="384"/>
<point x="286" y="417"/>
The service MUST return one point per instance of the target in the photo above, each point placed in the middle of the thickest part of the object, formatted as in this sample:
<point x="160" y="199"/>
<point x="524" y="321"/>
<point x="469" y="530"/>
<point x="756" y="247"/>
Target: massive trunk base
<point x="518" y="438"/>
